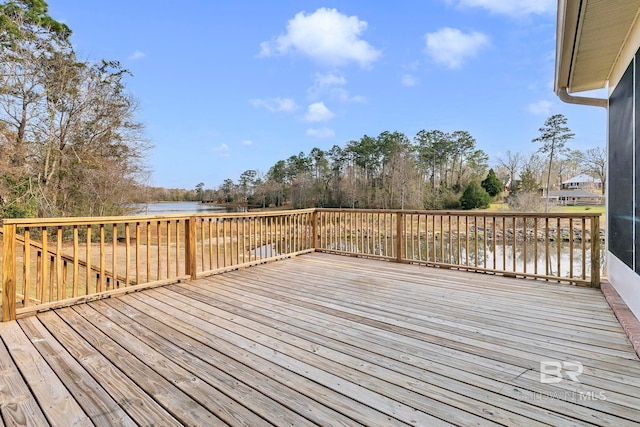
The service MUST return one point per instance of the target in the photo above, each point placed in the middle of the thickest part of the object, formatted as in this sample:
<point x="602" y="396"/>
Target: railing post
<point x="595" y="252"/>
<point x="190" y="260"/>
<point x="399" y="237"/>
<point x="9" y="273"/>
<point x="314" y="230"/>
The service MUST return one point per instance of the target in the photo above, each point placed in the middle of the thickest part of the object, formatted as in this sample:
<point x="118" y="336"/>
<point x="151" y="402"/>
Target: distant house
<point x="582" y="182"/>
<point x="506" y="183"/>
<point x="574" y="197"/>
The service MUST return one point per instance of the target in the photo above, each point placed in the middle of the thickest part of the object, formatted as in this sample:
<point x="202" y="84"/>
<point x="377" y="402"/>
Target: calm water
<point x="177" y="208"/>
<point x="502" y="258"/>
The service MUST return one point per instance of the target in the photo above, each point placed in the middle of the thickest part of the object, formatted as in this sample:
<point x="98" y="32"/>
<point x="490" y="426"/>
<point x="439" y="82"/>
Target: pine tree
<point x="553" y="135"/>
<point x="492" y="184"/>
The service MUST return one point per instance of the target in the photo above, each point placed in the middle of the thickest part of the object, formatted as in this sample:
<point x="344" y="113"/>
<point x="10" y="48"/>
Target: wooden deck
<point x="324" y="340"/>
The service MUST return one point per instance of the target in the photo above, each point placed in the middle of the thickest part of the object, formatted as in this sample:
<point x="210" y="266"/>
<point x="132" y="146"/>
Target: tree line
<point x="387" y="171"/>
<point x="70" y="143"/>
<point x="432" y="170"/>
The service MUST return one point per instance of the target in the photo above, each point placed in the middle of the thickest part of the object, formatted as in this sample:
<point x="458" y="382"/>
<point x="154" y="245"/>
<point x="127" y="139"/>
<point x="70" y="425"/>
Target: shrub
<point x="475" y="196"/>
<point x="441" y="198"/>
<point x="451" y="200"/>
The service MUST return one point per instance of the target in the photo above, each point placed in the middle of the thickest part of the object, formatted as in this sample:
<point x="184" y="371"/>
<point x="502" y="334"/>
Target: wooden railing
<point x="559" y="247"/>
<point x="50" y="263"/>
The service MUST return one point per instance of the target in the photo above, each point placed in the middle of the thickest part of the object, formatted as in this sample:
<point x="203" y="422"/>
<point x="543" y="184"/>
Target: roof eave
<point x="566" y="33"/>
<point x="567" y="29"/>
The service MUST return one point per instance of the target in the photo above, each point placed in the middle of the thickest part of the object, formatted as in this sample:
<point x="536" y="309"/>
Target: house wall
<point x="623" y="192"/>
<point x="581" y="186"/>
<point x="577" y="201"/>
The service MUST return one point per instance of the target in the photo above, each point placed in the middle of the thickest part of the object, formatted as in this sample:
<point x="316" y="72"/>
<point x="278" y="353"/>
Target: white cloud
<point x="137" y="55"/>
<point x="285" y="105"/>
<point x="247" y="142"/>
<point x="409" y="80"/>
<point x="329" y="79"/>
<point x="451" y="46"/>
<point x="540" y="108"/>
<point x="318" y="112"/>
<point x="326" y="36"/>
<point x="343" y="95"/>
<point x="512" y="7"/>
<point x="325" y="83"/>
<point x="412" y="66"/>
<point x="331" y="85"/>
<point x="323" y="132"/>
<point x="221" y="150"/>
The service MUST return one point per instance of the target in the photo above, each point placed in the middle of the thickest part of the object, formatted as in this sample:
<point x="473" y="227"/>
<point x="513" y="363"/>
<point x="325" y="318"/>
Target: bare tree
<point x="68" y="126"/>
<point x="594" y="163"/>
<point x="526" y="202"/>
<point x="566" y="166"/>
<point x="535" y="166"/>
<point x="404" y="182"/>
<point x="512" y="163"/>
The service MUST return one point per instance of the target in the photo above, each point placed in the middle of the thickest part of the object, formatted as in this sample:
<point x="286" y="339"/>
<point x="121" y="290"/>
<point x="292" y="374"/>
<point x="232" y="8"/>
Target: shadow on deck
<point x="325" y="340"/>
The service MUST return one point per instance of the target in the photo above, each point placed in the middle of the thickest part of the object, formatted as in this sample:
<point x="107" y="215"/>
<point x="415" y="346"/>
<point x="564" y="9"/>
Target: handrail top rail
<point x="68" y="221"/>
<point x="471" y="213"/>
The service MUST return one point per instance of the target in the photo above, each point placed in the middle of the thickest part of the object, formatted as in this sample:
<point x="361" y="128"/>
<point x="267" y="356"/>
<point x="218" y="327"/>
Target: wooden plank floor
<point x="324" y="340"/>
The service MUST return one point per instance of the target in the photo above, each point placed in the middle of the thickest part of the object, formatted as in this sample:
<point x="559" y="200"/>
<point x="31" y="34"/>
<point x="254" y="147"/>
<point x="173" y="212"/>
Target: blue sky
<point x="226" y="86"/>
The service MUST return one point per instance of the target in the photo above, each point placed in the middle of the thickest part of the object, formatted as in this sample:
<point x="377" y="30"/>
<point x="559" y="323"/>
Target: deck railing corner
<point x="8" y="272"/>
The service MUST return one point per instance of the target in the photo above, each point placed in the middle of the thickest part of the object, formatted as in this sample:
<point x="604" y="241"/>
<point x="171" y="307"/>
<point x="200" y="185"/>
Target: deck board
<point x="476" y="346"/>
<point x="94" y="400"/>
<point x="319" y="340"/>
<point x="270" y="396"/>
<point x="323" y="340"/>
<point x="135" y="401"/>
<point x="398" y="320"/>
<point x="516" y="325"/>
<point x="264" y="356"/>
<point x="17" y="404"/>
<point x="57" y="404"/>
<point x="165" y="390"/>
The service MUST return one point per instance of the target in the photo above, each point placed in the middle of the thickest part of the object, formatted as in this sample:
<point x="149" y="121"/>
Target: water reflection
<point x="555" y="258"/>
<point x="177" y="208"/>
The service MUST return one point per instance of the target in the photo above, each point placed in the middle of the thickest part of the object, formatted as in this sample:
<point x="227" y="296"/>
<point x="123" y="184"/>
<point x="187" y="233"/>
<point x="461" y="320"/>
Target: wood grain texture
<point x="321" y="339"/>
<point x="94" y="400"/>
<point x="57" y="404"/>
<point x="17" y="404"/>
<point x="8" y="273"/>
<point x="130" y="397"/>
